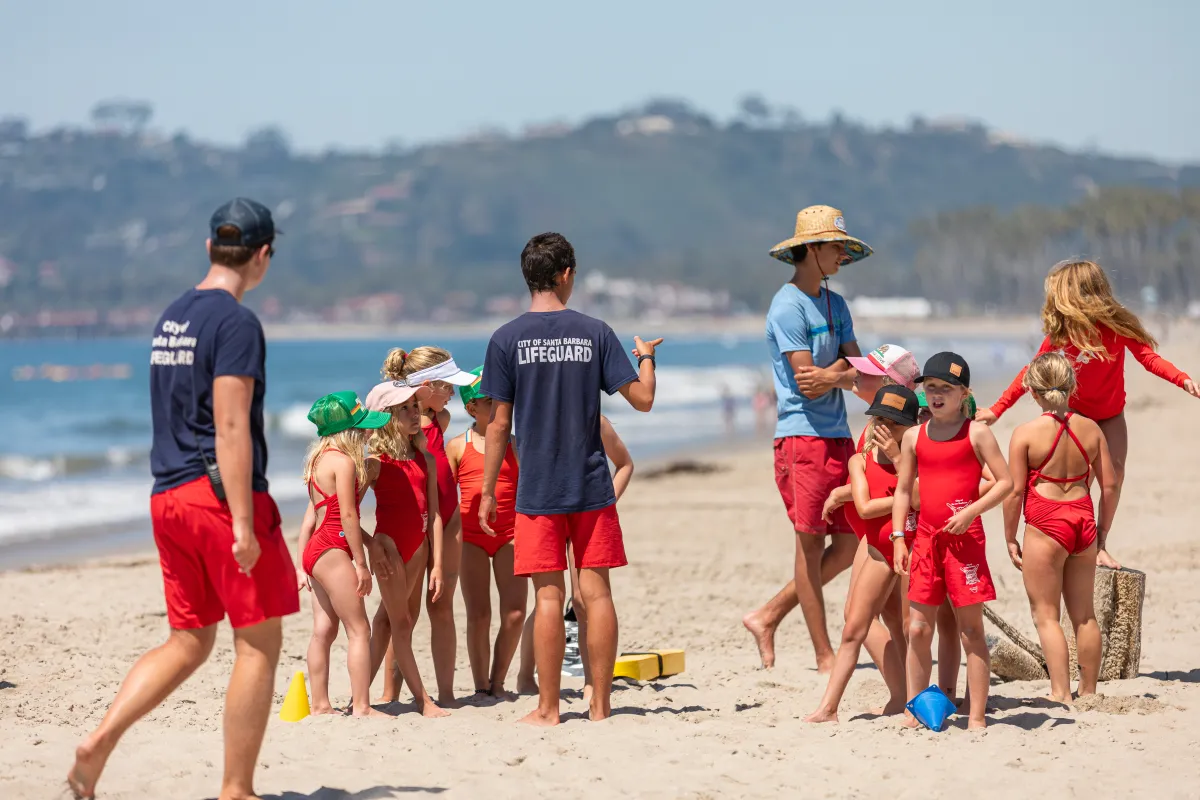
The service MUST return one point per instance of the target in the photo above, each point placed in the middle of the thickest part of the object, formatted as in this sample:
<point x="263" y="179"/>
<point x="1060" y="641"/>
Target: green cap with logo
<point x="471" y="392"/>
<point x="923" y="403"/>
<point x="342" y="411"/>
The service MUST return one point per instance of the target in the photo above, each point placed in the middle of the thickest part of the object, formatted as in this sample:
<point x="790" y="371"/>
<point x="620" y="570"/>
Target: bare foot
<point x="596" y="713"/>
<point x="764" y="637"/>
<point x="317" y="711"/>
<point x="369" y="712"/>
<point x="384" y="699"/>
<point x="448" y="701"/>
<point x="89" y="763"/>
<point x="430" y="710"/>
<point x="500" y="693"/>
<point x="526" y="686"/>
<point x="825" y="664"/>
<point x="540" y="719"/>
<point x="893" y="708"/>
<point x="587" y="694"/>
<point x="821" y="715"/>
<point x="1067" y="701"/>
<point x="909" y="721"/>
<point x="976" y="724"/>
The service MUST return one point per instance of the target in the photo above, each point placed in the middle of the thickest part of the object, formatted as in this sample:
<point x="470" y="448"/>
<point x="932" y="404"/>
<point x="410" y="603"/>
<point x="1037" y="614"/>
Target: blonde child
<point x="405" y="483"/>
<point x="1061" y="534"/>
<point x="332" y="544"/>
<point x="622" y="466"/>
<point x="874" y="585"/>
<point x="1084" y="321"/>
<point x="433" y="370"/>
<point x="484" y="554"/>
<point x="949" y="557"/>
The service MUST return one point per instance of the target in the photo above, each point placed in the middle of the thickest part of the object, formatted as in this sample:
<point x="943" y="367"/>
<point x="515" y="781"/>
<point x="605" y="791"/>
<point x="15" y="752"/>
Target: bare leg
<point x="1042" y="571"/>
<point x="763" y="622"/>
<point x="1117" y="433"/>
<point x="809" y="552"/>
<point x="248" y="704"/>
<point x="391" y="676"/>
<point x="970" y="625"/>
<point x="549" y="645"/>
<point x="442" y="635"/>
<point x="152" y="679"/>
<point x="477" y="595"/>
<point x="920" y="651"/>
<point x="393" y="623"/>
<point x="526" y="683"/>
<point x="514" y="595"/>
<point x="414" y="573"/>
<point x="867" y="598"/>
<point x="325" y="631"/>
<point x="949" y="650"/>
<point x="581" y="622"/>
<point x="878" y="637"/>
<point x="335" y="572"/>
<point x="1079" y="585"/>
<point x="602" y="635"/>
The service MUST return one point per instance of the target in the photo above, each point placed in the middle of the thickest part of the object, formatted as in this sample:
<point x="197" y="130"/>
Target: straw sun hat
<point x="821" y="224"/>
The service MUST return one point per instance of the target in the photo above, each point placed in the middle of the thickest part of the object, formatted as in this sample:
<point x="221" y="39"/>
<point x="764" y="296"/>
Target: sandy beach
<point x="704" y="549"/>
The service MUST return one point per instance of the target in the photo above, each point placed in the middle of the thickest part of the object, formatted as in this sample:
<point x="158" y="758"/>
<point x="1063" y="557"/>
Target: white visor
<point x="446" y="371"/>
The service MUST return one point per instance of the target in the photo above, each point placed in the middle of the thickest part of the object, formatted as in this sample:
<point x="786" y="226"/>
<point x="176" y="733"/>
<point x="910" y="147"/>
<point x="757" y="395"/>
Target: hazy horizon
<point x="1072" y="73"/>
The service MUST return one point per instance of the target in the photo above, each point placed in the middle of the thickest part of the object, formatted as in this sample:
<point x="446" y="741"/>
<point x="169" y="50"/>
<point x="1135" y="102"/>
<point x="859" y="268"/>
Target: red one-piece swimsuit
<point x="447" y="488"/>
<point x="402" y="502"/>
<point x="881" y="480"/>
<point x="470" y="484"/>
<point x="329" y="534"/>
<point x="1071" y="523"/>
<point x="944" y="564"/>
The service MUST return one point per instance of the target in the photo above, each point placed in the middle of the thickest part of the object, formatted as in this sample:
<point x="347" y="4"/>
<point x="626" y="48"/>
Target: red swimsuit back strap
<point x="1063" y="425"/>
<point x="312" y="483"/>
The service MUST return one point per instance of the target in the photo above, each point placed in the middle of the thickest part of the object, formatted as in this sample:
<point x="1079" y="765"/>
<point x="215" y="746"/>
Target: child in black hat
<point x="949" y="553"/>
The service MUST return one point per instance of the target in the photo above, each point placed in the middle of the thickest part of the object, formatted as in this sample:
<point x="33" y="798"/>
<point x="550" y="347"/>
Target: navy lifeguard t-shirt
<point x="203" y="335"/>
<point x="552" y="366"/>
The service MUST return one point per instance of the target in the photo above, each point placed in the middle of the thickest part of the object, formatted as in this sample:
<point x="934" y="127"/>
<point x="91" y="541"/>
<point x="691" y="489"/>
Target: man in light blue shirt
<point x="810" y="334"/>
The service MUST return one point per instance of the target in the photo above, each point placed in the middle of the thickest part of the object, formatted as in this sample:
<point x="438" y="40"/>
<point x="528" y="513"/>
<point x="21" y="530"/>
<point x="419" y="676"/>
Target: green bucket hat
<point x="471" y="392"/>
<point x="342" y="411"/>
<point x="922" y="403"/>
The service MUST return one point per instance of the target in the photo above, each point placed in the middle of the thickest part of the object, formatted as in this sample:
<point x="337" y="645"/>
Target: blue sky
<point x="1095" y="73"/>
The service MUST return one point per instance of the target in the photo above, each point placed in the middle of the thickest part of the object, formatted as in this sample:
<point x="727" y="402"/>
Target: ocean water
<point x="74" y="459"/>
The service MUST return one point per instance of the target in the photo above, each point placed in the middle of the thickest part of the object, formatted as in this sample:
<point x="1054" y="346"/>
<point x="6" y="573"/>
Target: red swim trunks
<point x="201" y="580"/>
<point x="807" y="469"/>
<point x="540" y="541"/>
<point x="944" y="565"/>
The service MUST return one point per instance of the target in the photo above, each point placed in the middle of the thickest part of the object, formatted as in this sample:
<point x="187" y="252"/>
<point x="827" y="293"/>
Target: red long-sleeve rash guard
<point x="1100" y="382"/>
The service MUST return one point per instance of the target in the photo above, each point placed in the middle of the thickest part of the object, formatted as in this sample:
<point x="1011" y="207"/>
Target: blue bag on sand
<point x="931" y="708"/>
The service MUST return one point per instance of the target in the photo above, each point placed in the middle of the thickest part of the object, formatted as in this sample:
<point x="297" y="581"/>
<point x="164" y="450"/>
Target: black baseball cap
<point x="897" y="403"/>
<point x="949" y="367"/>
<point x="252" y="219"/>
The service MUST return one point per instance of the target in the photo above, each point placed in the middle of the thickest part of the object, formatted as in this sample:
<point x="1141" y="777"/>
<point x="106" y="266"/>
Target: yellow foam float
<point x="649" y="665"/>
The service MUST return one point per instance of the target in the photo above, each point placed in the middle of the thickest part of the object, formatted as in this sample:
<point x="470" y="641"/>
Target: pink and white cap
<point x="891" y="360"/>
<point x="392" y="393"/>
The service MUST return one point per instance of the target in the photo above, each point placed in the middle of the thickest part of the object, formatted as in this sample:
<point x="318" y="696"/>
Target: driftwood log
<point x="1119" y="596"/>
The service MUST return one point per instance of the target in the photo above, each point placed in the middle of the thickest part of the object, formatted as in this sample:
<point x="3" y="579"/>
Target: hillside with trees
<point x="116" y="215"/>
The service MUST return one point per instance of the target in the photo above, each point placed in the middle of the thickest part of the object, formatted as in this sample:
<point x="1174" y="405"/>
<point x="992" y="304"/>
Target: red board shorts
<point x="540" y="541"/>
<point x="807" y="469"/>
<point x="201" y="580"/>
<point x="942" y="564"/>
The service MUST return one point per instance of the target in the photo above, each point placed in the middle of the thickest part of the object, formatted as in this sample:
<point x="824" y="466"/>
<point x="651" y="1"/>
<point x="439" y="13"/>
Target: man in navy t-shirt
<point x="546" y="369"/>
<point x="217" y="530"/>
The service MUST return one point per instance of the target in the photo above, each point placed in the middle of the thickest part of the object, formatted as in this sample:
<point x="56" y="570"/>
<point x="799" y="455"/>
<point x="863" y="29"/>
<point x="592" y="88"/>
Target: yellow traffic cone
<point x="295" y="703"/>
